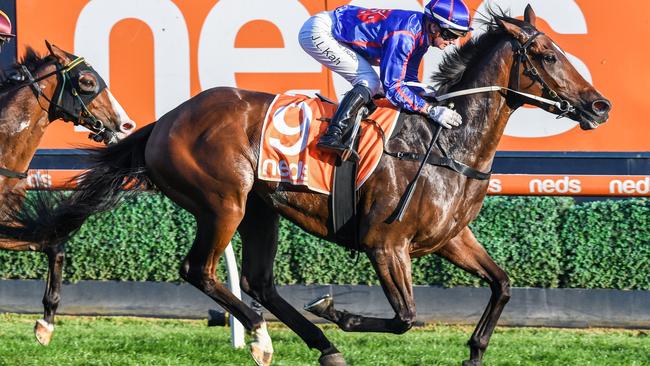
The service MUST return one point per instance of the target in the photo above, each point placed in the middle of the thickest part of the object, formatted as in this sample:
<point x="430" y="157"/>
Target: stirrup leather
<point x="349" y="143"/>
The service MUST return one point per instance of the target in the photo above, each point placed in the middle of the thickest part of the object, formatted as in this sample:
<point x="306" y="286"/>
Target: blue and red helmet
<point x="449" y="14"/>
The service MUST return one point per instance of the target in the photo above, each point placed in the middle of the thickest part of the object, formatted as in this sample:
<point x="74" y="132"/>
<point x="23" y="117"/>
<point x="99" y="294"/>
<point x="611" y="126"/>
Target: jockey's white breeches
<point x="317" y="40"/>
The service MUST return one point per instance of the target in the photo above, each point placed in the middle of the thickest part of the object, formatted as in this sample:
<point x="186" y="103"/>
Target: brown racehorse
<point x="204" y="155"/>
<point x="36" y="92"/>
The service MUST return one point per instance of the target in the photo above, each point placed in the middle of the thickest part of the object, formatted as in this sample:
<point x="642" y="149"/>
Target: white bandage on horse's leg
<point x="46" y="325"/>
<point x="43" y="331"/>
<point x="261" y="346"/>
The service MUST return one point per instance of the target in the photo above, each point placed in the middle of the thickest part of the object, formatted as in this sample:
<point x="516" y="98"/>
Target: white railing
<point x="236" y="328"/>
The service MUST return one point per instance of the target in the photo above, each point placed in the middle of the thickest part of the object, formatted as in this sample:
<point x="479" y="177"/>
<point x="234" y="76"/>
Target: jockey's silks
<point x="393" y="39"/>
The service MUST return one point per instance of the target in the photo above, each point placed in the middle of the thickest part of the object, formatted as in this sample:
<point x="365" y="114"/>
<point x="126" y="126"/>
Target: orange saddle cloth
<point x="292" y="127"/>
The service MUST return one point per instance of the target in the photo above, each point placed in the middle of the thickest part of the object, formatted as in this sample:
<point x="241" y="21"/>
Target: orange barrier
<point x="51" y="178"/>
<point x="570" y="185"/>
<point x="500" y="184"/>
<point x="159" y="53"/>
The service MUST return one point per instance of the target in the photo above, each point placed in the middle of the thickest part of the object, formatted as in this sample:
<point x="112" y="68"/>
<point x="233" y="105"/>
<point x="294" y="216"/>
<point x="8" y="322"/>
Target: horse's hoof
<point x="261" y="346"/>
<point x="472" y="363"/>
<point x="320" y="305"/>
<point x="43" y="331"/>
<point x="334" y="359"/>
<point x="260" y="357"/>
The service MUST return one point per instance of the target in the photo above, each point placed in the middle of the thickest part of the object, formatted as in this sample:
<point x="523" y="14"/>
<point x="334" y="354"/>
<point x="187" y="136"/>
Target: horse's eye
<point x="549" y="59"/>
<point x="87" y="84"/>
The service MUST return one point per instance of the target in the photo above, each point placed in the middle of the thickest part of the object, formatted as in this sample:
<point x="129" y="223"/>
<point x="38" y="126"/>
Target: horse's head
<point x="542" y="69"/>
<point x="81" y="97"/>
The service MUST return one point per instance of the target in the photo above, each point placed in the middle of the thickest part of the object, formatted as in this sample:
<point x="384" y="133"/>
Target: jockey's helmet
<point x="5" y="26"/>
<point x="451" y="15"/>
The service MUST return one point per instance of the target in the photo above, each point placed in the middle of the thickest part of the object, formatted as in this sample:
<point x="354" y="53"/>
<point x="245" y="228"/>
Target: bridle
<point x="523" y="58"/>
<point x="68" y="101"/>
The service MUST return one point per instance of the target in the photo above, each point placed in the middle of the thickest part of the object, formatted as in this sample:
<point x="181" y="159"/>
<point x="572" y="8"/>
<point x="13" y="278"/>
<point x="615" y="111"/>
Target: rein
<point x="12" y="174"/>
<point x="25" y="73"/>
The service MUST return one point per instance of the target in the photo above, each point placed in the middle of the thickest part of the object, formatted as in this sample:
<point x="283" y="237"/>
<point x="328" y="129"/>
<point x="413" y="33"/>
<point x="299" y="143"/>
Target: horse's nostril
<point x="601" y="106"/>
<point x="128" y="126"/>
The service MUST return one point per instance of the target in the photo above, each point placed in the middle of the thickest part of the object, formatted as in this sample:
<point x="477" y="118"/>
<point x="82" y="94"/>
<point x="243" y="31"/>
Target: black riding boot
<point x="344" y="119"/>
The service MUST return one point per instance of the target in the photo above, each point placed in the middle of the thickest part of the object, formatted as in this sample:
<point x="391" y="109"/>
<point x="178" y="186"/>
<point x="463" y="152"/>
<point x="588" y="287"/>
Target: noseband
<point x="68" y="102"/>
<point x="522" y="58"/>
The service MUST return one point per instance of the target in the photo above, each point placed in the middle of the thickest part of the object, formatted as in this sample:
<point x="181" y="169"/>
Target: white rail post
<point x="236" y="328"/>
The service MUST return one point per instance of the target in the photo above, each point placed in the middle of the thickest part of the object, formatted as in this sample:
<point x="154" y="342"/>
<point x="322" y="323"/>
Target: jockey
<point x="5" y="29"/>
<point x="350" y="39"/>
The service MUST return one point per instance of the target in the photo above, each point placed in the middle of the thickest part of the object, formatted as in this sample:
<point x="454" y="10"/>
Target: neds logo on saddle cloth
<point x="292" y="126"/>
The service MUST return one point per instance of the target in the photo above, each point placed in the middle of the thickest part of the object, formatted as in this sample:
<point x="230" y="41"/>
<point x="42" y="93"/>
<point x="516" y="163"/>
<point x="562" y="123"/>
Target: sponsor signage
<point x="569" y="185"/>
<point x="500" y="184"/>
<point x="155" y="54"/>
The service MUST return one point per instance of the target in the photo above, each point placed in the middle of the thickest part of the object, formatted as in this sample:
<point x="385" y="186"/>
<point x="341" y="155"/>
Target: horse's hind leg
<point x="259" y="233"/>
<point x="216" y="224"/>
<point x="212" y="237"/>
<point x="467" y="253"/>
<point x="393" y="266"/>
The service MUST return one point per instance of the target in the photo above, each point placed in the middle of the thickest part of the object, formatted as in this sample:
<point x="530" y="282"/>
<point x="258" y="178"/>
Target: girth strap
<point x="446" y="162"/>
<point x="11" y="174"/>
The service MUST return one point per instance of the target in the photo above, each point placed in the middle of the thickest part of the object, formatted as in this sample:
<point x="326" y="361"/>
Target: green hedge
<point x="608" y="245"/>
<point x="539" y="241"/>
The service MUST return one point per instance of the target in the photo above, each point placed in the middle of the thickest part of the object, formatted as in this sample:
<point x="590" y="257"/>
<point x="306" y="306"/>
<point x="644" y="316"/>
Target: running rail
<point x="500" y="184"/>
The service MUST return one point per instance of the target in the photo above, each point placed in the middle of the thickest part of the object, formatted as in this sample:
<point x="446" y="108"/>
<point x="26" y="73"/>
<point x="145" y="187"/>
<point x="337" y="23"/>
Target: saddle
<point x="344" y="198"/>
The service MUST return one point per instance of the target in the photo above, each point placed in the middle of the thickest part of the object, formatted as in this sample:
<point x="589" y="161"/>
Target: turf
<point x="136" y="341"/>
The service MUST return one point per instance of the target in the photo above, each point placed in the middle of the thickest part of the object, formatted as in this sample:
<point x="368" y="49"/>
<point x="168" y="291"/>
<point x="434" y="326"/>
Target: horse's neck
<point x="484" y="115"/>
<point x="22" y="125"/>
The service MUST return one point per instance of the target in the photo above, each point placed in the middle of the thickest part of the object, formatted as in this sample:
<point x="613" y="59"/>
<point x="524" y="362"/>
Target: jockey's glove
<point x="445" y="117"/>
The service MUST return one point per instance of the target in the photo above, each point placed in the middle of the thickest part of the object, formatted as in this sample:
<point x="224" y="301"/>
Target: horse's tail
<point x="117" y="171"/>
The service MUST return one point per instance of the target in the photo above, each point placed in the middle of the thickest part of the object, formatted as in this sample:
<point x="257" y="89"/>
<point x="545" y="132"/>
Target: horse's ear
<point x="513" y="29"/>
<point x="57" y="53"/>
<point x="529" y="15"/>
<point x="49" y="46"/>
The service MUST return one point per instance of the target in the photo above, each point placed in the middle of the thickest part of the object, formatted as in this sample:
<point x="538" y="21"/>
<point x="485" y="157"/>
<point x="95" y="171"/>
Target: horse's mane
<point x="33" y="60"/>
<point x="453" y="66"/>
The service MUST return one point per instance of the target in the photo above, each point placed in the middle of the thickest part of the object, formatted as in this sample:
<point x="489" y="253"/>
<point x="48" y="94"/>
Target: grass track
<point x="136" y="341"/>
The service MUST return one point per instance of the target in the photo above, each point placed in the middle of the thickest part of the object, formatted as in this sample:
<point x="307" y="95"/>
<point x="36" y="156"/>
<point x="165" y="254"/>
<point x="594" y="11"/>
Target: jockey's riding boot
<point x="344" y="120"/>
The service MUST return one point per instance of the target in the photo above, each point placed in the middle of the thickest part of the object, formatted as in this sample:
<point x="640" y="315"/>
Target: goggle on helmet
<point x="451" y="15"/>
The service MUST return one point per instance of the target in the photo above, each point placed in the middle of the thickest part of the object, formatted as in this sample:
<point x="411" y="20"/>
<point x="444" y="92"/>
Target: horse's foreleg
<point x="259" y="234"/>
<point x="45" y="327"/>
<point x="393" y="266"/>
<point x="467" y="253"/>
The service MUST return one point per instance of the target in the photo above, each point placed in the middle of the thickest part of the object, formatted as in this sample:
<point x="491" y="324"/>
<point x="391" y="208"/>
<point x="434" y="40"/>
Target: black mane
<point x="453" y="66"/>
<point x="33" y="60"/>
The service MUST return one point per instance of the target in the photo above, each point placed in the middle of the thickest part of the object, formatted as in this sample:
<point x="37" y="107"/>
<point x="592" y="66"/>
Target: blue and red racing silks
<point x="393" y="39"/>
